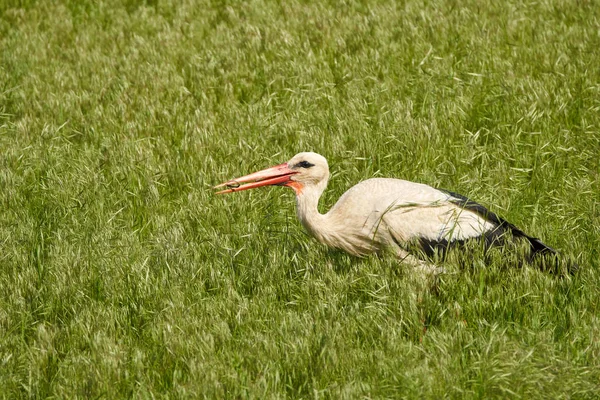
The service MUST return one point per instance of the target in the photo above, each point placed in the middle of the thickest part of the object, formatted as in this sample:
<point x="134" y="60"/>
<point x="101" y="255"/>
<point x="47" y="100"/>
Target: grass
<point x="122" y="275"/>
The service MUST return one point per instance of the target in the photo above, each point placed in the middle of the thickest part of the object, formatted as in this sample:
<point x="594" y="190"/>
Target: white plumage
<point x="384" y="212"/>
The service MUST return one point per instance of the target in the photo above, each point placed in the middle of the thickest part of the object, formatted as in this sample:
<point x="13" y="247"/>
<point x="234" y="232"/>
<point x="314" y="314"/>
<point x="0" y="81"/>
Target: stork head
<point x="302" y="171"/>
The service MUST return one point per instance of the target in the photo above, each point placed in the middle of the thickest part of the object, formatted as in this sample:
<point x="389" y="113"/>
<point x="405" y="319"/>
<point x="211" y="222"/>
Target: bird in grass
<point x="414" y="220"/>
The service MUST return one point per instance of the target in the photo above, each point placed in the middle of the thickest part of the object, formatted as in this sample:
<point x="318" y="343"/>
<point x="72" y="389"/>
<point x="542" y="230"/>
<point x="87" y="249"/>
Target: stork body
<point x="384" y="213"/>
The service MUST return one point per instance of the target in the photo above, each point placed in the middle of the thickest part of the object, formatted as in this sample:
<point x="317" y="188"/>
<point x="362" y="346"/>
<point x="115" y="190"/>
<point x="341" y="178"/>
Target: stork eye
<point x="304" y="164"/>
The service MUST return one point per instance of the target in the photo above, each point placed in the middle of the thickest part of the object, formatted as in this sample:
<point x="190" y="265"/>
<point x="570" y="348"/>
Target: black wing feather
<point x="493" y="237"/>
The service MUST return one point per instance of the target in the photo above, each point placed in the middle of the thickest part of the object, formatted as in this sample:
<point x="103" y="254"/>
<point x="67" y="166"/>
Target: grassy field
<point x="123" y="275"/>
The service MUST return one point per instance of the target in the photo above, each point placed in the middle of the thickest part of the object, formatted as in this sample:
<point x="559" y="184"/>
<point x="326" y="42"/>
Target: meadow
<point x="122" y="275"/>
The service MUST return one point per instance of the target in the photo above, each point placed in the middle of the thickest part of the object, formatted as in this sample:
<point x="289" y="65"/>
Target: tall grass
<point x="122" y="275"/>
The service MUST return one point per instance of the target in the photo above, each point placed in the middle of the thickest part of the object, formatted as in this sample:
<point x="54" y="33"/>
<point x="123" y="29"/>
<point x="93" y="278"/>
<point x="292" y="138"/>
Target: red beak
<point x="277" y="175"/>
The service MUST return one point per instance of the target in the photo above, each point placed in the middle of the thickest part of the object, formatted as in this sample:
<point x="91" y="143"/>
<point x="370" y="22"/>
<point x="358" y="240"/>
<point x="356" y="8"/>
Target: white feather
<point x="382" y="212"/>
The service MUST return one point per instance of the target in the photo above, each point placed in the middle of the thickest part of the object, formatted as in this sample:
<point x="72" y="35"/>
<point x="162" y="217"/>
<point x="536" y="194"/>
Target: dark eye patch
<point x="304" y="164"/>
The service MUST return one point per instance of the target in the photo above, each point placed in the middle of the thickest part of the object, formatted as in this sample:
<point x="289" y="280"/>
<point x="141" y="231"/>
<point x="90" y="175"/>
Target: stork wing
<point x="439" y="225"/>
<point x="502" y="225"/>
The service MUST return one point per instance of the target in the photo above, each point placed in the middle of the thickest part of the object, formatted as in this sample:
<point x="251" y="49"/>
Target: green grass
<point x="122" y="275"/>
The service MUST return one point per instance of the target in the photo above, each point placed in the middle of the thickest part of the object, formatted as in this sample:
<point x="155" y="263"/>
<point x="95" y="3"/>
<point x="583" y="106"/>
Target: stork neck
<point x="307" y="202"/>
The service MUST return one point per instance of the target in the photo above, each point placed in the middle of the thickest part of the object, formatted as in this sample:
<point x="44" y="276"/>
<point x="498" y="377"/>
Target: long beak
<point x="277" y="175"/>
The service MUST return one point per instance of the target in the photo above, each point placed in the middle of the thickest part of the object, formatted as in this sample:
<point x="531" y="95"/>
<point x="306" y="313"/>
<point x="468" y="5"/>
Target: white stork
<point x="384" y="213"/>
